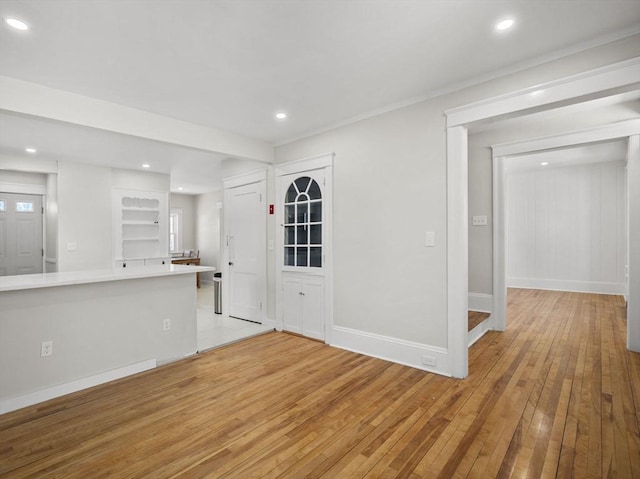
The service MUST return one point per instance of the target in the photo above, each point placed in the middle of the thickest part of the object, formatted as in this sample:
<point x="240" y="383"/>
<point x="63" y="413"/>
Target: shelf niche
<point x="141" y="226"/>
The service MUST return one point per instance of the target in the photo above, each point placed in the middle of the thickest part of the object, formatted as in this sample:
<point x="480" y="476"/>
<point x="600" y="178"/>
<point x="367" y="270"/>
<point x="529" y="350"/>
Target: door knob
<point x="230" y="263"/>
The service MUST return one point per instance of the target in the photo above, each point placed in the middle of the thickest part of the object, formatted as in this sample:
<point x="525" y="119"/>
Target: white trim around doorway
<point x="260" y="177"/>
<point x="501" y="152"/>
<point x="584" y="86"/>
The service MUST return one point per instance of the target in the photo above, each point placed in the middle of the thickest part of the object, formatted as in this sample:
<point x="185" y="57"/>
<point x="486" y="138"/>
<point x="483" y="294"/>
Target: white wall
<point x="566" y="228"/>
<point x="9" y="177"/>
<point x="84" y="217"/>
<point x="84" y="211"/>
<point x="96" y="328"/>
<point x="480" y="204"/>
<point x="208" y="230"/>
<point x="480" y="172"/>
<point x="20" y="163"/>
<point x="31" y="99"/>
<point x="238" y="166"/>
<point x="389" y="189"/>
<point x="633" y="222"/>
<point x="51" y="224"/>
<point x="139" y="180"/>
<point x="186" y="203"/>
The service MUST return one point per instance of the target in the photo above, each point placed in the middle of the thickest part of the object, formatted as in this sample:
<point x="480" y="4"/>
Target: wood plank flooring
<point x="475" y="318"/>
<point x="556" y="395"/>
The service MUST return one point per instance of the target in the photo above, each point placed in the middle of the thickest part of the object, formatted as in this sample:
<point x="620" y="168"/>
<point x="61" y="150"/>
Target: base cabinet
<point x="134" y="263"/>
<point x="303" y="308"/>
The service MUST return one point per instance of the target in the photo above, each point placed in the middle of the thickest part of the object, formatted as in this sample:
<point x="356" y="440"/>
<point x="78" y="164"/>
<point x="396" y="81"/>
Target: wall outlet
<point x="429" y="360"/>
<point x="46" y="349"/>
<point x="479" y="221"/>
<point x="166" y="324"/>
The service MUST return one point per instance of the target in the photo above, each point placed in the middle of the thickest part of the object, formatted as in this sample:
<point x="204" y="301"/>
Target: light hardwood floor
<point x="476" y="318"/>
<point x="556" y="395"/>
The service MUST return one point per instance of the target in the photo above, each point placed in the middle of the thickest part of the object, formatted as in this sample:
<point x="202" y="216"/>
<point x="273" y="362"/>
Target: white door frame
<point x="324" y="161"/>
<point x="578" y="88"/>
<point x="260" y="177"/>
<point x="501" y="152"/>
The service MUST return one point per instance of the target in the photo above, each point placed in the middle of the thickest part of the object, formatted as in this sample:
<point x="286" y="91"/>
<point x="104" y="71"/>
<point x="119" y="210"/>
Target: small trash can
<point x="217" y="293"/>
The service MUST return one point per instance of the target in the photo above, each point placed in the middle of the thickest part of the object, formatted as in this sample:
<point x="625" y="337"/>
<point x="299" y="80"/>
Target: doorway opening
<point x="610" y="194"/>
<point x="599" y="83"/>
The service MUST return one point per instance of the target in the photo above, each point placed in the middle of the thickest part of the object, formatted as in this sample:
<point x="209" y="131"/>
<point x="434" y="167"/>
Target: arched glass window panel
<point x="314" y="191"/>
<point x="291" y="194"/>
<point x="303" y="224"/>
<point x="302" y="183"/>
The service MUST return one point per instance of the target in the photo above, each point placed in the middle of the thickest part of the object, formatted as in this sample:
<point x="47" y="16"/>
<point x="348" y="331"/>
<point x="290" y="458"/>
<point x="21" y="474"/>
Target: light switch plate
<point x="430" y="239"/>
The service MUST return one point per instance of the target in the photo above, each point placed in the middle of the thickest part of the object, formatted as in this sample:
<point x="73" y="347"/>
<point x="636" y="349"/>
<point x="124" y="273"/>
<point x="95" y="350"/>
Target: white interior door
<point x="246" y="251"/>
<point x="20" y="234"/>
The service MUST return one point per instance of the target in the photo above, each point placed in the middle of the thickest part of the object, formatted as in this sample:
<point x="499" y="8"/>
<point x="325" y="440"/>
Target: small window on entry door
<point x="303" y="224"/>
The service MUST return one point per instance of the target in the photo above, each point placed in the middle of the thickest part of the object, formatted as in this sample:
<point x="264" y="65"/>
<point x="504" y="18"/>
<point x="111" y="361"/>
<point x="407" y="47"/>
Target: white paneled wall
<point x="566" y="228"/>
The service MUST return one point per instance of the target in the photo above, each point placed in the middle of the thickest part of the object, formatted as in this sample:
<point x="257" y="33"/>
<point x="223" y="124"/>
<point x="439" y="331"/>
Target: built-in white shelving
<point x="141" y="233"/>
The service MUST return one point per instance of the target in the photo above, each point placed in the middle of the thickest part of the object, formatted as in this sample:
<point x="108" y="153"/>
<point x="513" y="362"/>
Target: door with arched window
<point x="302" y="252"/>
<point x="303" y="224"/>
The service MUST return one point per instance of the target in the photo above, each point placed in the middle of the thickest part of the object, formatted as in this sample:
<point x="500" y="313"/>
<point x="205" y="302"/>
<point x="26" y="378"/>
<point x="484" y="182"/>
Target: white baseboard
<point x="175" y="358"/>
<point x="11" y="404"/>
<point x="391" y="349"/>
<point x="270" y="323"/>
<point x="598" y="287"/>
<point x="479" y="331"/>
<point x="482" y="303"/>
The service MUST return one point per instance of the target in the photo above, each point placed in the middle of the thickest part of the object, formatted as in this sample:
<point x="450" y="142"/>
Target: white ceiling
<point x="192" y="171"/>
<point x="602" y="152"/>
<point x="232" y="65"/>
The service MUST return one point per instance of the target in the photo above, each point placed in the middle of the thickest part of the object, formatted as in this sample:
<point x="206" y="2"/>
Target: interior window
<point x="2" y="207"/>
<point x="24" y="206"/>
<point x="303" y="224"/>
<point x="175" y="230"/>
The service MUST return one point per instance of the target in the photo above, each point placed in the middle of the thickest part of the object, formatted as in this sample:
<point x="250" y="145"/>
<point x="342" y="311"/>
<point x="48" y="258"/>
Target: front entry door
<point x="20" y="234"/>
<point x="246" y="251"/>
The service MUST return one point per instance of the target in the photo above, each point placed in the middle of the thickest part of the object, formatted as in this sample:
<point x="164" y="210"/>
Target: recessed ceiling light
<point x="31" y="150"/>
<point x="505" y="24"/>
<point x="17" y="24"/>
<point x="536" y="93"/>
<point x="146" y="165"/>
<point x="544" y="163"/>
<point x="179" y="188"/>
<point x="281" y="115"/>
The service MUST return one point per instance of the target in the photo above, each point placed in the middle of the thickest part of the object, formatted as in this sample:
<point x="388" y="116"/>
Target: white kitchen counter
<point x="102" y="325"/>
<point x="48" y="280"/>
